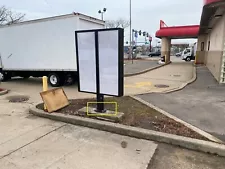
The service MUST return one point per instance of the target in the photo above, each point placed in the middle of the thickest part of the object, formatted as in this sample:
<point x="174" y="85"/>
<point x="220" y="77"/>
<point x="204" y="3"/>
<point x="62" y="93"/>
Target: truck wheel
<point x="55" y="80"/>
<point x="188" y="59"/>
<point x="5" y="77"/>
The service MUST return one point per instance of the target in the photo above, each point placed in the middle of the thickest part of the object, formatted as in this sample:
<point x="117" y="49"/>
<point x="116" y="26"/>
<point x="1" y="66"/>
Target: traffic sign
<point x="136" y="34"/>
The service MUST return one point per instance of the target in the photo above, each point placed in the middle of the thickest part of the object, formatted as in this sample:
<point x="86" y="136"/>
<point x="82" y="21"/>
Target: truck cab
<point x="189" y="54"/>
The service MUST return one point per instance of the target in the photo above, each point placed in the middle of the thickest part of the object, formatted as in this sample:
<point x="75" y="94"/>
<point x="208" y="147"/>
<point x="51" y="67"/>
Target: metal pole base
<point x="100" y="104"/>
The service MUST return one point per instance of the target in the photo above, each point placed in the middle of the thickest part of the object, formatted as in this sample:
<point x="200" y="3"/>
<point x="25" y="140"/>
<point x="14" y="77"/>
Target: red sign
<point x="206" y="2"/>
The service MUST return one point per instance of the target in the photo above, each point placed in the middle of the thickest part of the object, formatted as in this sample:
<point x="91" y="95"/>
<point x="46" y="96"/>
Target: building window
<point x="202" y="46"/>
<point x="208" y="45"/>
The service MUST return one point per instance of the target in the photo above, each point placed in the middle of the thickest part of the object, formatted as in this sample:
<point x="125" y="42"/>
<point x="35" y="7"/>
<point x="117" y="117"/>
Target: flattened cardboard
<point x="54" y="99"/>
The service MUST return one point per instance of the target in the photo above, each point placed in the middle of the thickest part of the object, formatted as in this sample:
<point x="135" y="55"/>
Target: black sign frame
<point x="100" y="96"/>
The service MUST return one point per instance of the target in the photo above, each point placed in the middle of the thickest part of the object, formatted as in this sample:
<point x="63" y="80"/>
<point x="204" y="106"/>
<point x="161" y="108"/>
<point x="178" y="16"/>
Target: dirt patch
<point x="135" y="114"/>
<point x="17" y="99"/>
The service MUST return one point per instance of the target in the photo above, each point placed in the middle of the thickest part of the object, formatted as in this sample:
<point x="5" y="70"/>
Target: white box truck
<point x="43" y="47"/>
<point x="189" y="53"/>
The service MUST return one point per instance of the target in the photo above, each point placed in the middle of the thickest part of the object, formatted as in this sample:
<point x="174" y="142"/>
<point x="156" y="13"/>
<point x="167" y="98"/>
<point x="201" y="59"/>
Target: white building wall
<point x="213" y="56"/>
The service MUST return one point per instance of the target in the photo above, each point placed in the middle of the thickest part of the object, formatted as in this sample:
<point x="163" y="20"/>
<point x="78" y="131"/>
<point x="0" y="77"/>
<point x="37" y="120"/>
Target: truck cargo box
<point x="43" y="46"/>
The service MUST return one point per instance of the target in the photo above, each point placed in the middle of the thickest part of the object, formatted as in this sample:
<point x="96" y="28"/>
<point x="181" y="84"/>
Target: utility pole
<point x="131" y="34"/>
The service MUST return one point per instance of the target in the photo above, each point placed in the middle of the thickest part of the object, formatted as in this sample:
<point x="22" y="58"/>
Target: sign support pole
<point x="150" y="47"/>
<point x="132" y="55"/>
<point x="100" y="103"/>
<point x="100" y="97"/>
<point x="150" y="41"/>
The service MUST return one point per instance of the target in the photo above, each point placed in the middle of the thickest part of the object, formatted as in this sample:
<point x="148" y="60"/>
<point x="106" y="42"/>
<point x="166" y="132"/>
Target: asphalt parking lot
<point x="201" y="103"/>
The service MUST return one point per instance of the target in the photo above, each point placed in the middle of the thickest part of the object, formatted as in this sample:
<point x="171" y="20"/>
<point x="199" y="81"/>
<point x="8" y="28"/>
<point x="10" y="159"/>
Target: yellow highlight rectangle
<point x="103" y="114"/>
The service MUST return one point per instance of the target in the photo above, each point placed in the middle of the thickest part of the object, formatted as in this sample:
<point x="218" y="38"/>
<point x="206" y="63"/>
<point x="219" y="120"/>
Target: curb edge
<point x="3" y="92"/>
<point x="196" y="129"/>
<point x="189" y="143"/>
<point x="146" y="70"/>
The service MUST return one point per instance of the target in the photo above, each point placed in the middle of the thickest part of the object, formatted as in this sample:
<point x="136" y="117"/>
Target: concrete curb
<point x="197" y="130"/>
<point x="143" y="59"/>
<point x="3" y="92"/>
<point x="145" y="71"/>
<point x="193" y="144"/>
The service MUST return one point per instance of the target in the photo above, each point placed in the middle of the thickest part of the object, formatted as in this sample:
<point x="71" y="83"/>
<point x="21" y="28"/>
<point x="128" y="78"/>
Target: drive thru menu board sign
<point x="100" y="61"/>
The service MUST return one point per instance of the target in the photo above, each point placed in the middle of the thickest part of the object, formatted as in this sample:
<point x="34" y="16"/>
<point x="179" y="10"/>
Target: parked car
<point x="157" y="53"/>
<point x="178" y="54"/>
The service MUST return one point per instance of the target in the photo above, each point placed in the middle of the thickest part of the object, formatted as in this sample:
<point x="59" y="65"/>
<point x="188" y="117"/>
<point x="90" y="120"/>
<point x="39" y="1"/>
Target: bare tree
<point x="119" y="23"/>
<point x="8" y="17"/>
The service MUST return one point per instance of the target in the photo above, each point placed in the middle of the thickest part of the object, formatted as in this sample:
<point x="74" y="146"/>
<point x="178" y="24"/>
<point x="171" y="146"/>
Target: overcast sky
<point x="145" y="13"/>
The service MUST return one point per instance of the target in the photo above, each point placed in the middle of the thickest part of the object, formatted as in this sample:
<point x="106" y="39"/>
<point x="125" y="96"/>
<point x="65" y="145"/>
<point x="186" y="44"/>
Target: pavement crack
<point x="21" y="134"/>
<point x="32" y="141"/>
<point x="60" y="158"/>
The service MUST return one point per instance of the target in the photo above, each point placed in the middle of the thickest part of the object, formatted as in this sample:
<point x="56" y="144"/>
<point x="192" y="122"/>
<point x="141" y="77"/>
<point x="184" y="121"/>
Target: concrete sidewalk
<point x="29" y="142"/>
<point x="201" y="103"/>
<point x="171" y="77"/>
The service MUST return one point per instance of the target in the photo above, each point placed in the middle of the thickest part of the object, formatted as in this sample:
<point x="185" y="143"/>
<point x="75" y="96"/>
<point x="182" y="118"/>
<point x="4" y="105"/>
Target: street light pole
<point x="102" y="12"/>
<point x="131" y="34"/>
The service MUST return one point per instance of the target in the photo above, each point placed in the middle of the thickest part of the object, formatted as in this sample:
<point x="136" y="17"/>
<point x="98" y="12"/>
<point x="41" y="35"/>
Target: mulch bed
<point x="137" y="115"/>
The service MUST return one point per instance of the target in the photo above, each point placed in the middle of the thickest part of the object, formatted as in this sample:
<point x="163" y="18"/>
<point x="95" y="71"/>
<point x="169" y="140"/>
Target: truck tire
<point x="6" y="77"/>
<point x="56" y="80"/>
<point x="188" y="59"/>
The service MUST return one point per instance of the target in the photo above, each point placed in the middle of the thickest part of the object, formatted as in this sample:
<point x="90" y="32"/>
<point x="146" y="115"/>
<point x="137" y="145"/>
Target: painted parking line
<point x="138" y="85"/>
